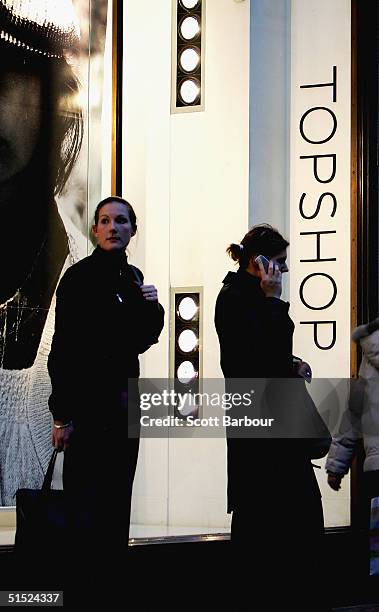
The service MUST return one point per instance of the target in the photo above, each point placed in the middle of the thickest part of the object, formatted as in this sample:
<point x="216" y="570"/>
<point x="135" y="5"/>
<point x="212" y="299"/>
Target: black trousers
<point x="277" y="544"/>
<point x="98" y="473"/>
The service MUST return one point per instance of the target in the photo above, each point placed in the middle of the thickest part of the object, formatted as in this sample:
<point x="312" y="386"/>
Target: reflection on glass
<point x="186" y="372"/>
<point x="187" y="308"/>
<point x="189" y="90"/>
<point x="187" y="340"/>
<point x="189" y="28"/>
<point x="189" y="4"/>
<point x="189" y="59"/>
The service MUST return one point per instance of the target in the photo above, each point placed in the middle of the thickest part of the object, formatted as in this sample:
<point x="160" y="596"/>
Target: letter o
<point x="302" y="288"/>
<point x="316" y="108"/>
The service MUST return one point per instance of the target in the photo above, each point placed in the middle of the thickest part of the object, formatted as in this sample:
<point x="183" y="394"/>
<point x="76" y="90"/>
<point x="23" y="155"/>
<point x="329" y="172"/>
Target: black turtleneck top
<point x="102" y="324"/>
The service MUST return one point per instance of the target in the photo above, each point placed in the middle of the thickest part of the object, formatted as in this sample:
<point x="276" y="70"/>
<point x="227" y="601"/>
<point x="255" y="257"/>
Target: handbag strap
<point x="46" y="486"/>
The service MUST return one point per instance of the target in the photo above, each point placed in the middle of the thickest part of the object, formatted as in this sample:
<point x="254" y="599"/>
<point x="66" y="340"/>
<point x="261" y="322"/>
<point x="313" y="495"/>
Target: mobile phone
<point x="265" y="262"/>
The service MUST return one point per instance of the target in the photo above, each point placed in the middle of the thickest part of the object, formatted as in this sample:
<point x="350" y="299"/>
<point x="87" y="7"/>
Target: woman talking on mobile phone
<point x="272" y="490"/>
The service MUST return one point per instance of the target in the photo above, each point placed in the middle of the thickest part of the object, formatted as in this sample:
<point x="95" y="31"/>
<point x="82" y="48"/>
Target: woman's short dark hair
<point x="109" y="200"/>
<point x="61" y="130"/>
<point x="262" y="239"/>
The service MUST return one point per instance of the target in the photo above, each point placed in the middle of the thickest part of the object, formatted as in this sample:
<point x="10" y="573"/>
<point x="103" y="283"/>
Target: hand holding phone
<point x="271" y="281"/>
<point x="263" y="260"/>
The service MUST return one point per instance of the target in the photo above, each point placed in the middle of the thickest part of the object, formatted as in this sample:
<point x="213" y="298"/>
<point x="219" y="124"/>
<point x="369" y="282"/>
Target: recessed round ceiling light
<point x="189" y="91"/>
<point x="189" y="28"/>
<point x="186" y="372"/>
<point x="187" y="340"/>
<point x="189" y="4"/>
<point x="189" y="59"/>
<point x="187" y="308"/>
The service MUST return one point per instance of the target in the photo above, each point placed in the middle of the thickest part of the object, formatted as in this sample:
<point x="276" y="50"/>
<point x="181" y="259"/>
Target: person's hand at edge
<point x="303" y="369"/>
<point x="61" y="435"/>
<point x="149" y="293"/>
<point x="334" y="481"/>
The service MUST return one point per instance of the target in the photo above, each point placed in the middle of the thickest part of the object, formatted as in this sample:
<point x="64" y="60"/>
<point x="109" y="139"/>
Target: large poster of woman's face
<point x="47" y="50"/>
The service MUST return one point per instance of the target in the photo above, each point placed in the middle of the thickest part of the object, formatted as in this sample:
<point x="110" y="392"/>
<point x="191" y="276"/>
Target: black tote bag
<point x="296" y="416"/>
<point x="40" y="516"/>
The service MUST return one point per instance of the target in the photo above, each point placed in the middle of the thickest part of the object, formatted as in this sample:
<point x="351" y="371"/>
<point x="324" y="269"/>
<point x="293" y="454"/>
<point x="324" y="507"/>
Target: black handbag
<point x="40" y="516"/>
<point x="296" y="416"/>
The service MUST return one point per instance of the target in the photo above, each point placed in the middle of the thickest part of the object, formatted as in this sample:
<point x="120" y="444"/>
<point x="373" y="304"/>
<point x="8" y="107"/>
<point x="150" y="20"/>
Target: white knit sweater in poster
<point x="25" y="419"/>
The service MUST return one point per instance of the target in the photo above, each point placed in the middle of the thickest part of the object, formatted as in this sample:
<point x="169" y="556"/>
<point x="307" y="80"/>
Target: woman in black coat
<point x="105" y="317"/>
<point x="272" y="490"/>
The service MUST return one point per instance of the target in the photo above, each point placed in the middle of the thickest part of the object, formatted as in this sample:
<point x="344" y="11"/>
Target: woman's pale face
<point x="281" y="261"/>
<point x="20" y="121"/>
<point x="114" y="229"/>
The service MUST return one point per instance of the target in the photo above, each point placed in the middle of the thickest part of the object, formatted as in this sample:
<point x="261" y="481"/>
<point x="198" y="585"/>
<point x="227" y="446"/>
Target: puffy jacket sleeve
<point x="344" y="444"/>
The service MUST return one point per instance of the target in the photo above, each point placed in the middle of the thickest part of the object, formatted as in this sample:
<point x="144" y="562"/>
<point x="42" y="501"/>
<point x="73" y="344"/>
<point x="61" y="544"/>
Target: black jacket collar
<point x="241" y="278"/>
<point x="111" y="260"/>
<point x="244" y="282"/>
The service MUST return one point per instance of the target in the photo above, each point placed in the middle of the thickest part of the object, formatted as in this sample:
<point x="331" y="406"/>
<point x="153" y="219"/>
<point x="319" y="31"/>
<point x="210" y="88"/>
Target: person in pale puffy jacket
<point x="361" y="420"/>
